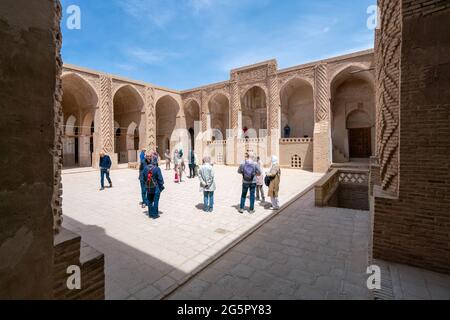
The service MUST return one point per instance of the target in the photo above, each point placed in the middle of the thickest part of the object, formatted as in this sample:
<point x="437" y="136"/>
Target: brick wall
<point x="29" y="67"/>
<point x="413" y="225"/>
<point x="70" y="251"/>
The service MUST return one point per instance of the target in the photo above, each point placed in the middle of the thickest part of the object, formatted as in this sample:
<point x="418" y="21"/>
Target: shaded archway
<point x="128" y="111"/>
<point x="192" y="115"/>
<point x="79" y="104"/>
<point x="297" y="109"/>
<point x="353" y="114"/>
<point x="254" y="111"/>
<point x="167" y="109"/>
<point x="219" y="114"/>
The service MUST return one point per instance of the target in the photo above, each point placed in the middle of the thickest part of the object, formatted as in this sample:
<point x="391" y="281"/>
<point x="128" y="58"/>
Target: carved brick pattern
<point x="224" y="91"/>
<point x="387" y="93"/>
<point x="197" y="96"/>
<point x="263" y="85"/>
<point x="58" y="112"/>
<point x="106" y="111"/>
<point x="253" y="75"/>
<point x="151" y="117"/>
<point x="322" y="94"/>
<point x="275" y="103"/>
<point x="205" y="111"/>
<point x="354" y="178"/>
<point x="235" y="104"/>
<point x="305" y="74"/>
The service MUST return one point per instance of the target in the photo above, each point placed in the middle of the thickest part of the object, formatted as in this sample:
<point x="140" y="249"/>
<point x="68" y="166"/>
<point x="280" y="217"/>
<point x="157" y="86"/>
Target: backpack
<point x="249" y="172"/>
<point x="150" y="181"/>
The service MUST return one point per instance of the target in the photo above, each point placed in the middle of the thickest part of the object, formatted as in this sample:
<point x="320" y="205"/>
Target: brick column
<point x="322" y="127"/>
<point x="274" y="114"/>
<point x="236" y="116"/>
<point x="150" y="116"/>
<point x="106" y="109"/>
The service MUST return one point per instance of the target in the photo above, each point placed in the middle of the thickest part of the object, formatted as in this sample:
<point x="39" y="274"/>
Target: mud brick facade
<point x="411" y="204"/>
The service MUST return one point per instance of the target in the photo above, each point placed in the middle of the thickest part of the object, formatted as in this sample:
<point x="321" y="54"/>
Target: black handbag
<point x="268" y="180"/>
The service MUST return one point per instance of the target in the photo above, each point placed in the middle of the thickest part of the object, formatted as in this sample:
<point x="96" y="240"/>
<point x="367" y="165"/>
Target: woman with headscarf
<point x="176" y="164"/>
<point x="155" y="186"/>
<point x="274" y="187"/>
<point x="181" y="165"/>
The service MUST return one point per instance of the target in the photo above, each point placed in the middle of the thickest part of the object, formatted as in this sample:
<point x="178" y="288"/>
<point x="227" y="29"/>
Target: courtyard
<point x="301" y="252"/>
<point x="147" y="259"/>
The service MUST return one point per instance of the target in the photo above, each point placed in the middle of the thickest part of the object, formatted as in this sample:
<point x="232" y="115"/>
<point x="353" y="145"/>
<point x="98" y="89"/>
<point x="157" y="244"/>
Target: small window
<point x="296" y="162"/>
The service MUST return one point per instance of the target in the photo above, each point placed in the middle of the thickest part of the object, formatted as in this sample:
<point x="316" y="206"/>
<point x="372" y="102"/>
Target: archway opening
<point x="297" y="109"/>
<point x="353" y="115"/>
<point x="219" y="113"/>
<point x="167" y="109"/>
<point x="79" y="104"/>
<point x="254" y="112"/>
<point x="128" y="112"/>
<point x="192" y="115"/>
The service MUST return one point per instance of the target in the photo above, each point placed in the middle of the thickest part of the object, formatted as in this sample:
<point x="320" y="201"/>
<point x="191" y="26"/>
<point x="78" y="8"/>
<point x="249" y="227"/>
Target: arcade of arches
<point x="310" y="116"/>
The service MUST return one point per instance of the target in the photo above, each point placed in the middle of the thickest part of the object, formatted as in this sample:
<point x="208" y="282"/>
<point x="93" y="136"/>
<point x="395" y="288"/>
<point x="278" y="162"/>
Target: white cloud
<point x="157" y="13"/>
<point x="150" y="57"/>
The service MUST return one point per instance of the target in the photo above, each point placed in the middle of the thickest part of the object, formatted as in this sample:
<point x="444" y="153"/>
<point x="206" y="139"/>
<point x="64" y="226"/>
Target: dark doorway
<point x="77" y="148"/>
<point x="191" y="134"/>
<point x="91" y="142"/>
<point x="360" y="142"/>
<point x="136" y="139"/>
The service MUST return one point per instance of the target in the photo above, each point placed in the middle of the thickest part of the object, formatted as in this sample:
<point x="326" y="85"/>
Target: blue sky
<point x="182" y="44"/>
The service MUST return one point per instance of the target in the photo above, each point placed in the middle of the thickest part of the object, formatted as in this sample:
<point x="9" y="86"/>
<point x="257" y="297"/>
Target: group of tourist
<point x="253" y="181"/>
<point x="152" y="181"/>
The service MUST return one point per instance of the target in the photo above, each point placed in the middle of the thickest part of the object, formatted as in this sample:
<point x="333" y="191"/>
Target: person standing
<point x="168" y="159"/>
<point x="155" y="186"/>
<point x="192" y="164"/>
<point x="207" y="184"/>
<point x="142" y="166"/>
<point x="260" y="183"/>
<point x="274" y="187"/>
<point x="176" y="165"/>
<point x="287" y="131"/>
<point x="105" y="167"/>
<point x="181" y="165"/>
<point x="249" y="170"/>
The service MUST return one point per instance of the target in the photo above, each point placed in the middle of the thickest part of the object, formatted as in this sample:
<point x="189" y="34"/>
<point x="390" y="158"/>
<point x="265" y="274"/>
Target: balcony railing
<point x="296" y="140"/>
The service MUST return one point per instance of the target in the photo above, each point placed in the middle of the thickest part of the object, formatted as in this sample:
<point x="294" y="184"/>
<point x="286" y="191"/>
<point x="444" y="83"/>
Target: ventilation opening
<point x="296" y="162"/>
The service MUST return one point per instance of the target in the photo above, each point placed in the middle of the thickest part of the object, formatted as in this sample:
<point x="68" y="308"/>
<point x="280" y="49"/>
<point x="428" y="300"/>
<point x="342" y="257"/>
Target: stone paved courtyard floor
<point x="304" y="252"/>
<point x="146" y="259"/>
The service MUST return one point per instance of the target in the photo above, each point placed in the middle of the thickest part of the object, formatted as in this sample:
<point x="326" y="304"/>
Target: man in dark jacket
<point x="142" y="166"/>
<point x="192" y="164"/>
<point x="249" y="170"/>
<point x="105" y="167"/>
<point x="155" y="186"/>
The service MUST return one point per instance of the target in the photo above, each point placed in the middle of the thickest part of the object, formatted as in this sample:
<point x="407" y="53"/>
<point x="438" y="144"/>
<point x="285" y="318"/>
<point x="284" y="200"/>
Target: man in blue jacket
<point x="105" y="167"/>
<point x="155" y="186"/>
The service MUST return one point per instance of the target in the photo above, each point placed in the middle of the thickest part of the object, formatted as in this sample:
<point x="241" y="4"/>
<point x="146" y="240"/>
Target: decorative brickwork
<point x="322" y="129"/>
<point x="58" y="147"/>
<point x="151" y="117"/>
<point x="106" y="110"/>
<point x="411" y="225"/>
<point x="322" y="94"/>
<point x="388" y="50"/>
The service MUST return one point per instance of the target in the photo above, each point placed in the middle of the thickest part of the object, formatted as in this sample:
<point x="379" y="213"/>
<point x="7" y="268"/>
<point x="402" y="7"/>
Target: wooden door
<point x="360" y="143"/>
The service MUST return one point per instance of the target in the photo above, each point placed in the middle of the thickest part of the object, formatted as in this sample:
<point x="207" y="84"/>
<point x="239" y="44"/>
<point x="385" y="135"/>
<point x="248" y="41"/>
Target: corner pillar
<point x="322" y="126"/>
